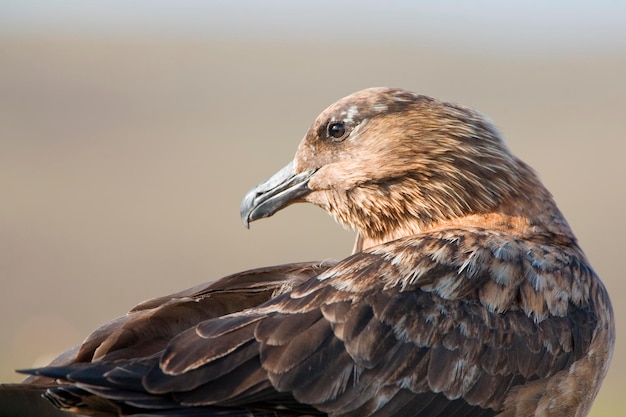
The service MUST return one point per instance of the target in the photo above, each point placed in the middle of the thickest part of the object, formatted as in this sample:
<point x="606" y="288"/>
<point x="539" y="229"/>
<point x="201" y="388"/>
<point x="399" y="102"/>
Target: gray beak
<point x="277" y="192"/>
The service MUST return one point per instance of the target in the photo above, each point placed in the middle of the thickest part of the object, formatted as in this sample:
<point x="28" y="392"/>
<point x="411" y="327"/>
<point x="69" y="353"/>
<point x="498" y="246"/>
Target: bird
<point x="467" y="294"/>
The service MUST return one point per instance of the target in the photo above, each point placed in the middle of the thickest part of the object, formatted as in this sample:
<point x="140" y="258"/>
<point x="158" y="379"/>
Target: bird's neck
<point x="521" y="220"/>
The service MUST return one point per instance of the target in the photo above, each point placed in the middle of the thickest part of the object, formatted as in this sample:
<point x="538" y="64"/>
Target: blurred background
<point x="130" y="130"/>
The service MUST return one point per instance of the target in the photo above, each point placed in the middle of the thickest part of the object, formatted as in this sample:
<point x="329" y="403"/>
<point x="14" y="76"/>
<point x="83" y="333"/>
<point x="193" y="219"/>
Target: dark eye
<point x="337" y="130"/>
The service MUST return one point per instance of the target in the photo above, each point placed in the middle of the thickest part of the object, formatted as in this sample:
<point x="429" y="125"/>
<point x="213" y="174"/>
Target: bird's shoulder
<point x="540" y="275"/>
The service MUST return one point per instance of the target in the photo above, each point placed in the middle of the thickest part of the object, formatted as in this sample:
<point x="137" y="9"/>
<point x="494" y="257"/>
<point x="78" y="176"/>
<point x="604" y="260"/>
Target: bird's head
<point x="390" y="163"/>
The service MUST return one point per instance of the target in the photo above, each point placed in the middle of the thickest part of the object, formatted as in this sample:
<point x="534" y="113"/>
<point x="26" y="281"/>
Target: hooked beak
<point x="277" y="192"/>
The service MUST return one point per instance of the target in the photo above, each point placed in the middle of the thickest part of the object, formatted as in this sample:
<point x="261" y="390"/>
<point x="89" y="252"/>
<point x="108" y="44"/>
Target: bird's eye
<point x="337" y="131"/>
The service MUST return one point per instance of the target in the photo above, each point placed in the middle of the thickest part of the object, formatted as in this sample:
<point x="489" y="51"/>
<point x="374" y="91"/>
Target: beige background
<point x="123" y="160"/>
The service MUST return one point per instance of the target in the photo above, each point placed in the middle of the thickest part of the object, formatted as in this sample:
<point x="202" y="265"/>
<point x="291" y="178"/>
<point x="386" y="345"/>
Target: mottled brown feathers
<point x="467" y="294"/>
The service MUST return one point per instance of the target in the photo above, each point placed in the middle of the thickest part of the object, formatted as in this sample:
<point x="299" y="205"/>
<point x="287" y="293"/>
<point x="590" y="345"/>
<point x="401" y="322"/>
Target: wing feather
<point x="423" y="326"/>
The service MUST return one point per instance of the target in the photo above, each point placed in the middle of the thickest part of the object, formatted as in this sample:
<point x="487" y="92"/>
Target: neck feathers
<point x="385" y="212"/>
